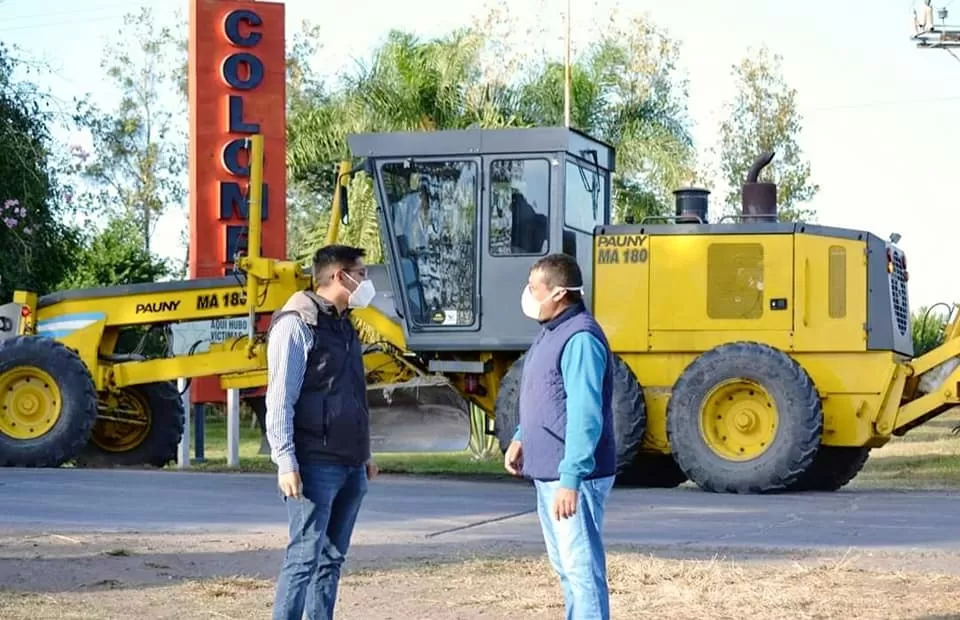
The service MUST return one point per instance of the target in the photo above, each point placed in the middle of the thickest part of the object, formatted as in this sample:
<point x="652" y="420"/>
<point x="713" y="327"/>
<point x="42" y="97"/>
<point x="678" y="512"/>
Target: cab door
<point x="518" y="215"/>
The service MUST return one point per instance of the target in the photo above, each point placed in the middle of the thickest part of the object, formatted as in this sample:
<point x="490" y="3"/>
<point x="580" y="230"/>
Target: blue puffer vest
<point x="543" y="399"/>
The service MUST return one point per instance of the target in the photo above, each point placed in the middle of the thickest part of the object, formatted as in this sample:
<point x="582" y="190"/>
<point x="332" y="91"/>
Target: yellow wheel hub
<point x="30" y="402"/>
<point x="123" y="421"/>
<point x="738" y="420"/>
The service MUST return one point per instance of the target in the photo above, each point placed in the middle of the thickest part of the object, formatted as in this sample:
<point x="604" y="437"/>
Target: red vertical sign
<point x="237" y="88"/>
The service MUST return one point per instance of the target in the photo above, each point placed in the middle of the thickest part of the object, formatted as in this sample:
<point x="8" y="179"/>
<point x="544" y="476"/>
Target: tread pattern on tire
<point x="78" y="408"/>
<point x="629" y="410"/>
<point x="799" y="427"/>
<point x="507" y="405"/>
<point x="832" y="468"/>
<point x="166" y="429"/>
<point x="629" y="415"/>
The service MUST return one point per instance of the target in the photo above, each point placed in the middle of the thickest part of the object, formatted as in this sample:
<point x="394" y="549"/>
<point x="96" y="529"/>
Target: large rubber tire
<point x="799" y="419"/>
<point x="832" y="468"/>
<point x="629" y="416"/>
<point x="506" y="408"/>
<point x="78" y="403"/>
<point x="164" y="407"/>
<point x="629" y="410"/>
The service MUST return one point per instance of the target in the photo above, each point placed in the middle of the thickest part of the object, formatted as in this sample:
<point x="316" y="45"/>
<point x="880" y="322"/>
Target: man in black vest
<point x="319" y="429"/>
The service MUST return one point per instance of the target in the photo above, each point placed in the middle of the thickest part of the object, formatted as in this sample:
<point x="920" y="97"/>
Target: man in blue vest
<point x="565" y="440"/>
<point x="319" y="429"/>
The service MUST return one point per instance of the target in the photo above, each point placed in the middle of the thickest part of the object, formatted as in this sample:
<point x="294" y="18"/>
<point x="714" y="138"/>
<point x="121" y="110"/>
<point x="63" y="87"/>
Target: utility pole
<point x="929" y="35"/>
<point x="566" y="74"/>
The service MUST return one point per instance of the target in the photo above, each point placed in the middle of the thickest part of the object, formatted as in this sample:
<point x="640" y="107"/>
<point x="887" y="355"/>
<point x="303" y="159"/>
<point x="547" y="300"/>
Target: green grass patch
<point x="927" y="457"/>
<point x="462" y="464"/>
<point x="920" y="471"/>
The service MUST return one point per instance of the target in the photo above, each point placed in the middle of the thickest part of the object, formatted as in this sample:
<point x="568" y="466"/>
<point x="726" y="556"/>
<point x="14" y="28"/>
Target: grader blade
<point x="421" y="415"/>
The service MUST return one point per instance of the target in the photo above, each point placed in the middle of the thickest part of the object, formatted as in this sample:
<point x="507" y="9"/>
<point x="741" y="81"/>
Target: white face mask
<point x="362" y="295"/>
<point x="531" y="307"/>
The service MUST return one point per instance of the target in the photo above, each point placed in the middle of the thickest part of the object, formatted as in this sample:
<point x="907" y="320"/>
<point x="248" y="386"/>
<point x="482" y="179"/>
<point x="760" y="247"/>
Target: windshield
<point x="432" y="208"/>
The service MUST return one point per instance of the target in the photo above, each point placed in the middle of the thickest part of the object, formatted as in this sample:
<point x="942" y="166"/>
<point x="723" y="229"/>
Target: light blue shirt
<point x="289" y="345"/>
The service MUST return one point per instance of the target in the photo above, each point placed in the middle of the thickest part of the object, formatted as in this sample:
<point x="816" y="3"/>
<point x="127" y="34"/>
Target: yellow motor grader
<point x="751" y="355"/>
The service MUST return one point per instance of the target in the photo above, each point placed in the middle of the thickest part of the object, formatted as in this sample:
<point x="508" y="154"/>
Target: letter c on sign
<point x="231" y="158"/>
<point x="231" y="27"/>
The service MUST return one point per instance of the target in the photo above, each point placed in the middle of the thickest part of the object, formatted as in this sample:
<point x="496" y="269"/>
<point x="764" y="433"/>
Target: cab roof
<point x="474" y="142"/>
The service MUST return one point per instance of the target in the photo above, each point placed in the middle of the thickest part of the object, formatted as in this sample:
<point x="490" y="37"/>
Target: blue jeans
<point x="321" y="523"/>
<point x="575" y="547"/>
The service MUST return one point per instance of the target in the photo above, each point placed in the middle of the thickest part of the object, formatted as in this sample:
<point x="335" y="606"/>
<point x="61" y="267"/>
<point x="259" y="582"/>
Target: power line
<point x="131" y="5"/>
<point x="70" y="22"/>
<point x="877" y="104"/>
<point x="84" y="11"/>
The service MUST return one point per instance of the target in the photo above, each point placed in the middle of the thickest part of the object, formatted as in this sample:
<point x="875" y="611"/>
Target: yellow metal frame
<point x="917" y="409"/>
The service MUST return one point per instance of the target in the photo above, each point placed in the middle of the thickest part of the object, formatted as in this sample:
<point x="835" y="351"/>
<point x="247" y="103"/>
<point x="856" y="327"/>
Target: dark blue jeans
<point x="321" y="523"/>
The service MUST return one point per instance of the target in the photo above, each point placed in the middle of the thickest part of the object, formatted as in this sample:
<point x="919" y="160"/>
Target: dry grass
<point x="926" y="457"/>
<point x="641" y="587"/>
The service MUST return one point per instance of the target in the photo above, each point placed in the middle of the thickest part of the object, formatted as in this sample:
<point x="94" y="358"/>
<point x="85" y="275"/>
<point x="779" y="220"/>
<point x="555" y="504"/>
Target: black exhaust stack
<point x="759" y="200"/>
<point x="691" y="204"/>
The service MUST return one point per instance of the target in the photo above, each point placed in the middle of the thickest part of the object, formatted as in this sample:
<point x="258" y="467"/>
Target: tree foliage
<point x="139" y="150"/>
<point x="762" y="117"/>
<point x="112" y="256"/>
<point x="625" y="91"/>
<point x="37" y="249"/>
<point x="927" y="330"/>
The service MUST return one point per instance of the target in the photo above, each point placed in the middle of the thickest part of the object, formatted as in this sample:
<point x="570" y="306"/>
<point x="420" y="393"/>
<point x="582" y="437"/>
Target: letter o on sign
<point x="231" y="71"/>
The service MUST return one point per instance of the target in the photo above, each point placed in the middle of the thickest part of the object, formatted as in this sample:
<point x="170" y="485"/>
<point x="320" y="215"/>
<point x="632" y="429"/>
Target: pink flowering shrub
<point x="13" y="215"/>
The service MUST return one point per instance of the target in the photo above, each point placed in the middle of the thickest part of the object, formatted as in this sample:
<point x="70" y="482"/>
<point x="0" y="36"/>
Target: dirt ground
<point x="186" y="576"/>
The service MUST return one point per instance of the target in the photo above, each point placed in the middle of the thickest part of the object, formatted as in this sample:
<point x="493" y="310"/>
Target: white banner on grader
<point x="200" y="334"/>
<point x="195" y="337"/>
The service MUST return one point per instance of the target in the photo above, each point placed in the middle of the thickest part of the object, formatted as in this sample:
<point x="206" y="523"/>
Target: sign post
<point x="237" y="87"/>
<point x="183" y="454"/>
<point x="233" y="428"/>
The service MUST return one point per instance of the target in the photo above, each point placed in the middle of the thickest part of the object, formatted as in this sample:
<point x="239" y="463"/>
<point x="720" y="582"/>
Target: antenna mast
<point x="566" y="74"/>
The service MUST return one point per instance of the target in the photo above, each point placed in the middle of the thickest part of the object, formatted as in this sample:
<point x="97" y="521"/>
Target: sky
<point x="879" y="115"/>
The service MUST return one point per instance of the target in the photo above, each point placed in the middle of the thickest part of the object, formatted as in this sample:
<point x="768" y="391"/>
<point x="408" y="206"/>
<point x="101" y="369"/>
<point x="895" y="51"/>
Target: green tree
<point x="625" y="91"/>
<point x="409" y="84"/>
<point x="763" y="116"/>
<point x="140" y="147"/>
<point x="37" y="249"/>
<point x="114" y="256"/>
<point x="927" y="328"/>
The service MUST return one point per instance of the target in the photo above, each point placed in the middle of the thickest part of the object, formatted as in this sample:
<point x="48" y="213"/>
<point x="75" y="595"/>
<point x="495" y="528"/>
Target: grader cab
<point x="751" y="355"/>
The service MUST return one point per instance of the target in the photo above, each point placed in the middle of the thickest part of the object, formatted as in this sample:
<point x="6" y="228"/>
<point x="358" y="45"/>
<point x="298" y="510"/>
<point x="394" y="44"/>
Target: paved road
<point x="438" y="510"/>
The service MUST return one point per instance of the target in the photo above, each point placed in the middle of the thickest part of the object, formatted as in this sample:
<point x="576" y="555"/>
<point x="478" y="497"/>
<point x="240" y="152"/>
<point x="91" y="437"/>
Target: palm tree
<point x="623" y="92"/>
